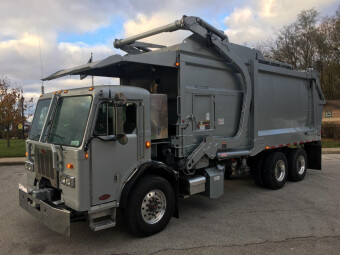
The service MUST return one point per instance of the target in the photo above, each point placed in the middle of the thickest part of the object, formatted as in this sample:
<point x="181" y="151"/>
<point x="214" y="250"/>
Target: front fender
<point x="151" y="168"/>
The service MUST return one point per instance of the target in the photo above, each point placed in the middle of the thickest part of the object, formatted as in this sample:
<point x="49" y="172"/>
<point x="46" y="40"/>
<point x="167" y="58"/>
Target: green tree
<point x="11" y="106"/>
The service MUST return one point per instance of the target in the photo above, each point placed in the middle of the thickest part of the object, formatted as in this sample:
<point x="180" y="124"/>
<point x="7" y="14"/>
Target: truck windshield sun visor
<point x="70" y="121"/>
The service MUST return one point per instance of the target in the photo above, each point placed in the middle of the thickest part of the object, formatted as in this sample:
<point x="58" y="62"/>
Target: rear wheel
<point x="297" y="164"/>
<point x="275" y="170"/>
<point x="150" y="206"/>
<point x="228" y="172"/>
<point x="256" y="169"/>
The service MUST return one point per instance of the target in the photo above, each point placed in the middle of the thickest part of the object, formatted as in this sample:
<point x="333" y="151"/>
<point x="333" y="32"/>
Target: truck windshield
<point x="70" y="121"/>
<point x="39" y="119"/>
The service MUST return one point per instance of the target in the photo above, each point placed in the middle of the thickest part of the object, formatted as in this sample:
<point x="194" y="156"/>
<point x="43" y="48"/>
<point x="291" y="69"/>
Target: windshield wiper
<point x="59" y="137"/>
<point x="36" y="137"/>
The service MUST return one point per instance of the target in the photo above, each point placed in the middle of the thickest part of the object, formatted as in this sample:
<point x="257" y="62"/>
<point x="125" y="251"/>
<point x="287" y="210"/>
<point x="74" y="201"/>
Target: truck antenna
<point x="41" y="66"/>
<point x="92" y="75"/>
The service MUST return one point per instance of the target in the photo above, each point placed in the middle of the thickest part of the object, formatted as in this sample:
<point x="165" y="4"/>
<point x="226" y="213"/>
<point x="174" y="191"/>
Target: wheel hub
<point x="280" y="170"/>
<point x="301" y="164"/>
<point x="153" y="206"/>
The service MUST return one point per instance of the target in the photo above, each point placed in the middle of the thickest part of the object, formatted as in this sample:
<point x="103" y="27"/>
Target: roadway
<point x="301" y="218"/>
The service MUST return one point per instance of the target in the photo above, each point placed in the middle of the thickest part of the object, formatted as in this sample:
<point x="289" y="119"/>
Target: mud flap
<point x="313" y="151"/>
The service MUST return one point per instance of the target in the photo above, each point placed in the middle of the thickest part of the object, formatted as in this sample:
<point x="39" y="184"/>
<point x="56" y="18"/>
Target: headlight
<point x="68" y="180"/>
<point x="29" y="166"/>
<point x="63" y="179"/>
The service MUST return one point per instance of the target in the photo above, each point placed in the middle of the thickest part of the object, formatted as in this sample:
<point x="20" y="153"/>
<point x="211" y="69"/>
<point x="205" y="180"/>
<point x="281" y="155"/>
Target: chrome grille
<point x="44" y="166"/>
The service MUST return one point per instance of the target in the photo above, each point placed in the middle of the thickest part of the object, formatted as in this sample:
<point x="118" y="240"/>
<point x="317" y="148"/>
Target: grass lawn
<point x="16" y="149"/>
<point x="330" y="143"/>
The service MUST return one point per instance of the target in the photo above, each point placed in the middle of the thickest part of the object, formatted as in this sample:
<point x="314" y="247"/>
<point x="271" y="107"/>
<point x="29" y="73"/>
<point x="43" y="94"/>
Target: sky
<point x="40" y="37"/>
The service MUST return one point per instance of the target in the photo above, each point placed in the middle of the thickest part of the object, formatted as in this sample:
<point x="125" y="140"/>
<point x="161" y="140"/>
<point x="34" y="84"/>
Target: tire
<point x="275" y="170"/>
<point x="297" y="164"/>
<point x="143" y="216"/>
<point x="256" y="169"/>
<point x="227" y="173"/>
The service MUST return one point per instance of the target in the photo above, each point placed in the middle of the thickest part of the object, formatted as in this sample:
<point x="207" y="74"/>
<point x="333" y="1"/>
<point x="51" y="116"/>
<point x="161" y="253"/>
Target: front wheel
<point x="150" y="206"/>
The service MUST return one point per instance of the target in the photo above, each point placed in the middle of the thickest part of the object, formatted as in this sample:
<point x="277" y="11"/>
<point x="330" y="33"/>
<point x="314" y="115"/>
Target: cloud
<point x="257" y="21"/>
<point x="23" y="23"/>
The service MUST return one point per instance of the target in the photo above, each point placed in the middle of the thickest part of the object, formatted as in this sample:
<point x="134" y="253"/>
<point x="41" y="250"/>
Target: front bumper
<point x="56" y="219"/>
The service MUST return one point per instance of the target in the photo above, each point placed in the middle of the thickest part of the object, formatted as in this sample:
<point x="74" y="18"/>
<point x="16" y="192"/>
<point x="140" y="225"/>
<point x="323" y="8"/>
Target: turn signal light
<point x="92" y="88"/>
<point x="148" y="144"/>
<point x="26" y="154"/>
<point x="70" y="166"/>
<point x="86" y="155"/>
<point x="177" y="64"/>
<point x="65" y="91"/>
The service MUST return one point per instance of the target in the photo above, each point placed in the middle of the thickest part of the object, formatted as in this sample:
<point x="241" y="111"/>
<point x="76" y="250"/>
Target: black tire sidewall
<point x="269" y="170"/>
<point x="228" y="173"/>
<point x="293" y="155"/>
<point x="256" y="169"/>
<point x="134" y="218"/>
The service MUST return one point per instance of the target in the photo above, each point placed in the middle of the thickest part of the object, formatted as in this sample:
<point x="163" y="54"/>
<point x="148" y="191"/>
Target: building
<point x="331" y="112"/>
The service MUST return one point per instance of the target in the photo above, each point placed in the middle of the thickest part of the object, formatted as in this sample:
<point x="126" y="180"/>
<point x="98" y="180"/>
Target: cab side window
<point x="105" y="124"/>
<point x="130" y="121"/>
<point x="105" y="120"/>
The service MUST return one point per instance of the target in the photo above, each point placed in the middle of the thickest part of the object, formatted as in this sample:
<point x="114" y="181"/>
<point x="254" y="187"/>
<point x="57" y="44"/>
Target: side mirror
<point x="120" y="99"/>
<point x="122" y="139"/>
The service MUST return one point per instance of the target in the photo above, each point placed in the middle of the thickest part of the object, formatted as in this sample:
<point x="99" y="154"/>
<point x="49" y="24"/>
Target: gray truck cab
<point x="83" y="146"/>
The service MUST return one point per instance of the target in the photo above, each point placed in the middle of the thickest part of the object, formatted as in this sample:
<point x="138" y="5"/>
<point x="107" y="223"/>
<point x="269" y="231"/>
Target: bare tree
<point x="310" y="42"/>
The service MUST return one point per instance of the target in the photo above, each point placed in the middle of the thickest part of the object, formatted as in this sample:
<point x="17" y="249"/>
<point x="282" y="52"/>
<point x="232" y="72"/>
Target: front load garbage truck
<point x="183" y="119"/>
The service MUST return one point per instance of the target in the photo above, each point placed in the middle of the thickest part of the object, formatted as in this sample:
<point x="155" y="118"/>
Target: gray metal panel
<point x="108" y="159"/>
<point x="56" y="219"/>
<point x="284" y="101"/>
<point x="214" y="183"/>
<point x="87" y="68"/>
<point x="208" y="78"/>
<point x="159" y="116"/>
<point x="110" y="66"/>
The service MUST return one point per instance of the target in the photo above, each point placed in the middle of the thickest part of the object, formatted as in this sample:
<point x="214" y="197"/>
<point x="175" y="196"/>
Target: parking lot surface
<point x="301" y="218"/>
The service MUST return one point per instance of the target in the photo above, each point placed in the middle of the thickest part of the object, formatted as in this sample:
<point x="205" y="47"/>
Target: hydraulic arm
<point x="221" y="43"/>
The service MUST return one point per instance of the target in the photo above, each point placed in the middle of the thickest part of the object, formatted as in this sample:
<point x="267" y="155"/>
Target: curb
<point x="12" y="163"/>
<point x="331" y="152"/>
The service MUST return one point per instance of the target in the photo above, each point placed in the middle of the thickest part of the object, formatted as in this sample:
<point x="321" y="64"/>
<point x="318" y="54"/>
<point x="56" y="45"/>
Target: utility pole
<point x="22" y="114"/>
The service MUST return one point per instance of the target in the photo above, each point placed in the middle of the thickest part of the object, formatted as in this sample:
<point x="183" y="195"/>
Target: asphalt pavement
<point x="301" y="218"/>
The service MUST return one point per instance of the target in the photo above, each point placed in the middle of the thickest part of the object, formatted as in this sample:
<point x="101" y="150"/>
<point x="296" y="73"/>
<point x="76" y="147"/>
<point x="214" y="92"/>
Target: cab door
<point x="111" y="161"/>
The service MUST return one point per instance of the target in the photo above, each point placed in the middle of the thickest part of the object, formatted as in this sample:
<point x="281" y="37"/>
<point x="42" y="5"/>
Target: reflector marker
<point x="288" y="144"/>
